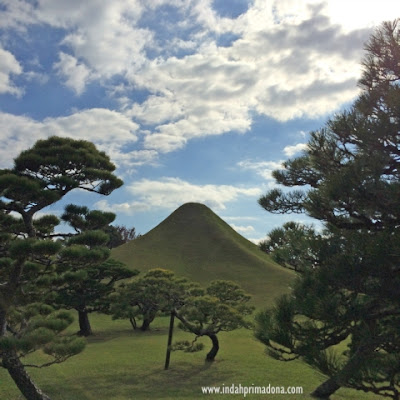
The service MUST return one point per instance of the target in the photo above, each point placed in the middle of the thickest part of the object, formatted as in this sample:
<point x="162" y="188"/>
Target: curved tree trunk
<point x="21" y="378"/>
<point x="215" y="347"/>
<point x="84" y="324"/>
<point x="11" y="362"/>
<point x="340" y="379"/>
<point x="326" y="389"/>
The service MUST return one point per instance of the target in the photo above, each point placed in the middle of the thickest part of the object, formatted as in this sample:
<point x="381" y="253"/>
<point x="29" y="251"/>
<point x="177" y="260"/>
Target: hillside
<point x="194" y="242"/>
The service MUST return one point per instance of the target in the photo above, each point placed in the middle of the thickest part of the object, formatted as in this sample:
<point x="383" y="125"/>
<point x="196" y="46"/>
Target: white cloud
<point x="262" y="168"/>
<point x="240" y="218"/>
<point x="164" y="143"/>
<point x="109" y="130"/>
<point x="287" y="59"/>
<point x="17" y="134"/>
<point x="169" y="193"/>
<point x="292" y="150"/>
<point x="300" y="67"/>
<point x="103" y="34"/>
<point x="258" y="240"/>
<point x="99" y="125"/>
<point x="9" y="66"/>
<point x="243" y="229"/>
<point x="76" y="74"/>
<point x="32" y="76"/>
<point x="16" y="14"/>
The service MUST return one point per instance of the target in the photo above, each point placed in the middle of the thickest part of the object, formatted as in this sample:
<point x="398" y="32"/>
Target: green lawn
<point x="119" y="363"/>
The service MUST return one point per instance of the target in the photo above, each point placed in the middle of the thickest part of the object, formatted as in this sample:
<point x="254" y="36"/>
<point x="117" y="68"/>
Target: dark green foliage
<point x="62" y="164"/>
<point x="119" y="234"/>
<point x="158" y="291"/>
<point x="294" y="246"/>
<point x="32" y="264"/>
<point x="87" y="274"/>
<point x="221" y="308"/>
<point x="187" y="347"/>
<point x="351" y="181"/>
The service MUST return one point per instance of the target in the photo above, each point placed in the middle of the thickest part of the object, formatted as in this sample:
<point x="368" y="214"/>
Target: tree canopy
<point x="221" y="308"/>
<point x="294" y="246"/>
<point x="89" y="276"/>
<point x="158" y="291"/>
<point x="349" y="178"/>
<point x="30" y="258"/>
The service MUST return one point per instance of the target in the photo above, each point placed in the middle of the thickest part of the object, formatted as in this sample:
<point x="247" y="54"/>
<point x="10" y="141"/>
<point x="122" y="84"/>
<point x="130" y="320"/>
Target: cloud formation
<point x="76" y="74"/>
<point x="199" y="71"/>
<point x="9" y="66"/>
<point x="292" y="150"/>
<point x="109" y="130"/>
<point x="169" y="193"/>
<point x="243" y="229"/>
<point x="262" y="168"/>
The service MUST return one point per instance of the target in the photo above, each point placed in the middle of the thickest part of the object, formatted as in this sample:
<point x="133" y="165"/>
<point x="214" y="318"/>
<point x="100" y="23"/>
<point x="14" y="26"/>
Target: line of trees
<point x="349" y="289"/>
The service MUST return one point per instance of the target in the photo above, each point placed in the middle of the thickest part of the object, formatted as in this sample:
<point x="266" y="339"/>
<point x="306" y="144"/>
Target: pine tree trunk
<point x="84" y="324"/>
<point x="326" y="389"/>
<point x="21" y="378"/>
<point x="215" y="347"/>
<point x="3" y="323"/>
<point x="146" y="324"/>
<point x="335" y="382"/>
<point x="132" y="320"/>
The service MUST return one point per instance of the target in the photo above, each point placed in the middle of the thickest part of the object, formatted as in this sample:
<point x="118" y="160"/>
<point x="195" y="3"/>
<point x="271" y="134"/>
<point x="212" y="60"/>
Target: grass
<point x="197" y="244"/>
<point x="120" y="364"/>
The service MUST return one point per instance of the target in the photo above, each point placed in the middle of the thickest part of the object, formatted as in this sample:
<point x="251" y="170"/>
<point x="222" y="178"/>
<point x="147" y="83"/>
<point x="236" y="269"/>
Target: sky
<point x="193" y="100"/>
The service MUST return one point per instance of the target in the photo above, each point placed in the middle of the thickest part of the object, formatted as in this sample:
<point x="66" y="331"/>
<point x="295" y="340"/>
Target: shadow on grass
<point x="182" y="381"/>
<point x="104" y="336"/>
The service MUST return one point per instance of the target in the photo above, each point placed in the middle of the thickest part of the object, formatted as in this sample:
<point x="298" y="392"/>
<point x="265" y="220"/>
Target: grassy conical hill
<point x="194" y="242"/>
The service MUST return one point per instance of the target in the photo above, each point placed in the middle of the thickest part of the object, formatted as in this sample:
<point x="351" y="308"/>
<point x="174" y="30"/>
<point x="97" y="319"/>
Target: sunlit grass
<point x="119" y="364"/>
<point x="197" y="244"/>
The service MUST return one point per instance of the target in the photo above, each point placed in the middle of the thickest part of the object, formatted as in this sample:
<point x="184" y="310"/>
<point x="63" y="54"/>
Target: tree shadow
<point x="183" y="380"/>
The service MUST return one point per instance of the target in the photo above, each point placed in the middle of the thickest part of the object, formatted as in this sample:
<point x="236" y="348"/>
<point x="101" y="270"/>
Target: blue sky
<point x="194" y="100"/>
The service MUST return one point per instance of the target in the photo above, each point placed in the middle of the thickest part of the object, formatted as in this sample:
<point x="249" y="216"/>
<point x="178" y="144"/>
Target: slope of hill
<point x="194" y="242"/>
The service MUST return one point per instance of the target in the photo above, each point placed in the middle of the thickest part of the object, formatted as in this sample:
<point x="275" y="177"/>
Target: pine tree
<point x="158" y="291"/>
<point x="351" y="182"/>
<point x="29" y="255"/>
<point x="87" y="275"/>
<point x="293" y="246"/>
<point x="221" y="308"/>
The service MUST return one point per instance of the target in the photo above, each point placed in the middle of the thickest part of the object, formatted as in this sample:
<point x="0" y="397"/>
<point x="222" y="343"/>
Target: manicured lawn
<point x="119" y="364"/>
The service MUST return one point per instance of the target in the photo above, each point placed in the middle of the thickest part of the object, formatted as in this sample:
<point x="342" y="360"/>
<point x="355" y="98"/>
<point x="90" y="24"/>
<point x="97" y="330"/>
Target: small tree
<point x="90" y="275"/>
<point x="40" y="177"/>
<point x="158" y="291"/>
<point x="119" y="235"/>
<point x="294" y="246"/>
<point x="223" y="307"/>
